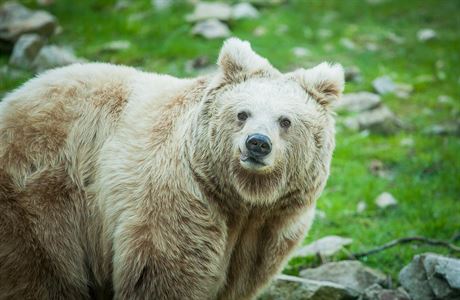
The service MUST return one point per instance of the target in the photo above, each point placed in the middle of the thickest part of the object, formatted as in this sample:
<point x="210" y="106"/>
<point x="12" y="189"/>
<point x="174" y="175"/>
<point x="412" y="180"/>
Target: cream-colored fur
<point x="125" y="184"/>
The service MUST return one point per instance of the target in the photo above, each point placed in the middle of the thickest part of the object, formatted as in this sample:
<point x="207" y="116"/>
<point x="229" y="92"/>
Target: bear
<point x="121" y="184"/>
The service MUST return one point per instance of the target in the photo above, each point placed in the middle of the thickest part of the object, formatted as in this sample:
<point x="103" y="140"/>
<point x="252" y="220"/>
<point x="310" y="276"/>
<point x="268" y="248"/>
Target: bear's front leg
<point x="164" y="257"/>
<point x="262" y="251"/>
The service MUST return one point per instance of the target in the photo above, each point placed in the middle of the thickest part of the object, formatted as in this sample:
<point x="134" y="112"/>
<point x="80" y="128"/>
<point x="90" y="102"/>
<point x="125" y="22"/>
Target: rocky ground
<point x="395" y="170"/>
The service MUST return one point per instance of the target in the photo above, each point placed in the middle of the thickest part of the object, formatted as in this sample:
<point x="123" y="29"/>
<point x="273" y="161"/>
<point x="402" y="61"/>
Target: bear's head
<point x="268" y="134"/>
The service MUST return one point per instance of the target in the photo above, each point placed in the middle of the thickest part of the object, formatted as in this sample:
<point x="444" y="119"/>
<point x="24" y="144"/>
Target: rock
<point x="200" y="65"/>
<point x="407" y="142"/>
<point x="326" y="246"/>
<point x="384" y="85"/>
<point x="361" y="207"/>
<point x="324" y="33"/>
<point x="294" y="288"/>
<point x="376" y="292"/>
<point x="393" y="37"/>
<point x="25" y="50"/>
<point x="267" y="2"/>
<point x="300" y="51"/>
<point x="379" y="120"/>
<point x="353" y="73"/>
<point x="115" y="46"/>
<point x="348" y="44"/>
<point x="210" y="10"/>
<point x="358" y="102"/>
<point x="162" y="4"/>
<point x="351" y="274"/>
<point x="403" y="90"/>
<point x="45" y="2"/>
<point x="320" y="214"/>
<point x="244" y="11"/>
<point x="446" y="129"/>
<point x="260" y="31"/>
<point x="426" y="34"/>
<point x="432" y="276"/>
<point x="16" y="20"/>
<point x="211" y="29"/>
<point x="53" y="56"/>
<point x="385" y="200"/>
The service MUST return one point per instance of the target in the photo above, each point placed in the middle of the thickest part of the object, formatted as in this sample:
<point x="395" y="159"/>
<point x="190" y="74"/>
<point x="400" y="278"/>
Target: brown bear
<point x="116" y="183"/>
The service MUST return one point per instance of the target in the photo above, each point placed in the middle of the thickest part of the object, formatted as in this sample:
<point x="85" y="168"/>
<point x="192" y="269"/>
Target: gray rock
<point x="361" y="207"/>
<point x="244" y="11"/>
<point x="200" y="65"/>
<point x="358" y="102"/>
<point x="115" y="46"/>
<point x="446" y="129"/>
<point x="210" y="10"/>
<point x="16" y="20"/>
<point x="379" y="120"/>
<point x="385" y="200"/>
<point x="384" y="85"/>
<point x="376" y="292"/>
<point x="351" y="274"/>
<point x="353" y="73"/>
<point x="294" y="288"/>
<point x="414" y="280"/>
<point x="326" y="246"/>
<point x="25" y="50"/>
<point x="300" y="51"/>
<point x="443" y="275"/>
<point x="162" y="4"/>
<point x="53" y="56"/>
<point x="211" y="29"/>
<point x="403" y="90"/>
<point x="426" y="34"/>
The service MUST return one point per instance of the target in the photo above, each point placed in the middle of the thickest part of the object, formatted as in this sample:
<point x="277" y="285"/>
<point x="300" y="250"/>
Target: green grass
<point x="425" y="176"/>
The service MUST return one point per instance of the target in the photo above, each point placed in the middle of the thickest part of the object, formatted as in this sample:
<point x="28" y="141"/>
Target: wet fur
<point x="110" y="186"/>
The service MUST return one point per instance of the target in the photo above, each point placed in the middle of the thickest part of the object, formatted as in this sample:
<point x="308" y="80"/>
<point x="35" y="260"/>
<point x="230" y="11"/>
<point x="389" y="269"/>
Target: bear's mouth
<point x="250" y="160"/>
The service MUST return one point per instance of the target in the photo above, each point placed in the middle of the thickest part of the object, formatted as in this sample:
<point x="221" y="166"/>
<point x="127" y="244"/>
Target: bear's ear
<point x="237" y="59"/>
<point x="325" y="82"/>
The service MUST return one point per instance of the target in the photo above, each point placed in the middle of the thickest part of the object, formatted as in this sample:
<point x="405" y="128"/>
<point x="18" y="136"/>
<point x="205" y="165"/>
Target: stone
<point x="443" y="274"/>
<point x="16" y="20"/>
<point x="287" y="287"/>
<point x="326" y="246"/>
<point x="260" y="31"/>
<point x="380" y="120"/>
<point x="161" y="5"/>
<point x="244" y="10"/>
<point x="211" y="29"/>
<point x="115" y="46"/>
<point x="431" y="276"/>
<point x="25" y="50"/>
<point x="426" y="34"/>
<point x="353" y="73"/>
<point x="403" y="90"/>
<point x="267" y="2"/>
<point x="376" y="292"/>
<point x="385" y="200"/>
<point x="384" y="85"/>
<point x="361" y="207"/>
<point x="351" y="274"/>
<point x="358" y="102"/>
<point x="348" y="44"/>
<point x="53" y="56"/>
<point x="200" y="65"/>
<point x="210" y="10"/>
<point x="300" y="51"/>
<point x="445" y="129"/>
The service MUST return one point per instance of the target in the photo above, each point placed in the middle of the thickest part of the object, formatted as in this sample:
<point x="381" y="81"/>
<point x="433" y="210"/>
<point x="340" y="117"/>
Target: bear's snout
<point x="258" y="145"/>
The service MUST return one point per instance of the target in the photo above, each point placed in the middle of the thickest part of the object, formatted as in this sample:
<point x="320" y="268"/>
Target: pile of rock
<point x="427" y="277"/>
<point x="25" y="32"/>
<point x="211" y="18"/>
<point x="369" y="113"/>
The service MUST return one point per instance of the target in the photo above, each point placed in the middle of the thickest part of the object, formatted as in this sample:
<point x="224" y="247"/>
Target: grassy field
<point x="424" y="175"/>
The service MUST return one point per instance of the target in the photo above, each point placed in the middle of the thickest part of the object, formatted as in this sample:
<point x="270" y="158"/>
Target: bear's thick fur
<point x="125" y="184"/>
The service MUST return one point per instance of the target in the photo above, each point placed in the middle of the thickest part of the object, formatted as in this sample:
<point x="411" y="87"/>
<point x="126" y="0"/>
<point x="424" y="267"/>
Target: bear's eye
<point x="242" y="116"/>
<point x="285" y="123"/>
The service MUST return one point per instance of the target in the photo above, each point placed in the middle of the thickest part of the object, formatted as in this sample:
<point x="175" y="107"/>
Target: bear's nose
<point x="258" y="145"/>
